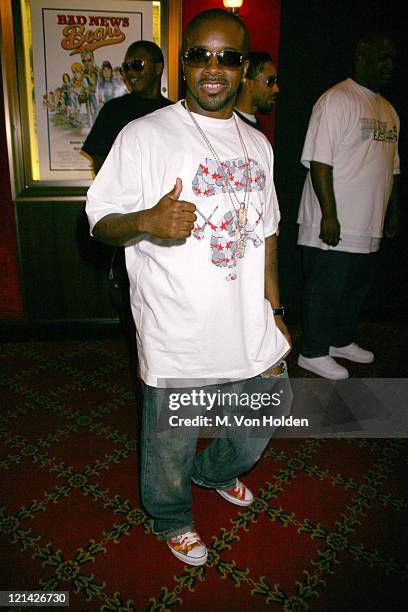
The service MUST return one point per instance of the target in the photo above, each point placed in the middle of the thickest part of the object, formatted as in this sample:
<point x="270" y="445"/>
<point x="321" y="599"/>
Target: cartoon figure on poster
<point x="109" y="84"/>
<point x="79" y="96"/>
<point x="78" y="100"/>
<point x="66" y="93"/>
<point x="91" y="72"/>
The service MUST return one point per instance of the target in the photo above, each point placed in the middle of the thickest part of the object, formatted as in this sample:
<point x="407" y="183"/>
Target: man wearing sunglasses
<point x="189" y="190"/>
<point x="259" y="89"/>
<point x="142" y="71"/>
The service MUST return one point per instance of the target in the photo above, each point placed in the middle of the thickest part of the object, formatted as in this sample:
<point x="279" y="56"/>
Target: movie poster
<point x="77" y="54"/>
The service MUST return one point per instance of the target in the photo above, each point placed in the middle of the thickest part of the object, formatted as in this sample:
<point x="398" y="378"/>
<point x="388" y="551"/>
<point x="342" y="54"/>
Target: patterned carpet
<point x="328" y="530"/>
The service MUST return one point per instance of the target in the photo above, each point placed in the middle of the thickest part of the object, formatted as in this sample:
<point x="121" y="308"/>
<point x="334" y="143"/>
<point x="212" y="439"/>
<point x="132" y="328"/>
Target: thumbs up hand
<point x="171" y="218"/>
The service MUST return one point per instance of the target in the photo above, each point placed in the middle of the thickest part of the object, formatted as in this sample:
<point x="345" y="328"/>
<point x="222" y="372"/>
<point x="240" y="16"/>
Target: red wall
<point x="262" y="18"/>
<point x="10" y="291"/>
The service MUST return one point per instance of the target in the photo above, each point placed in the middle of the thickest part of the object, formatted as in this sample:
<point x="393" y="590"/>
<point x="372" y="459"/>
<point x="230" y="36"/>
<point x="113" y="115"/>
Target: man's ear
<point x="245" y="66"/>
<point x="183" y="67"/>
<point x="159" y="69"/>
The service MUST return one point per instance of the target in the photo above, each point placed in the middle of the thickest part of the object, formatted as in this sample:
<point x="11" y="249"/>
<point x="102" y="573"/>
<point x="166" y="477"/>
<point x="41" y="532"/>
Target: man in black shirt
<point x="142" y="71"/>
<point x="259" y="89"/>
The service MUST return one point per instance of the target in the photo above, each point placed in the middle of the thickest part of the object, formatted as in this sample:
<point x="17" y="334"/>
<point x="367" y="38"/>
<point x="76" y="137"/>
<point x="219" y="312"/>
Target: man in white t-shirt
<point x="202" y="266"/>
<point x="259" y="89"/>
<point x="351" y="148"/>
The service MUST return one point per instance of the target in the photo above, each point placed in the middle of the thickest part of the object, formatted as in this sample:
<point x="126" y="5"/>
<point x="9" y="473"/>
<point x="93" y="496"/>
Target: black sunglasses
<point x="270" y="81"/>
<point x="199" y="58"/>
<point x="136" y="65"/>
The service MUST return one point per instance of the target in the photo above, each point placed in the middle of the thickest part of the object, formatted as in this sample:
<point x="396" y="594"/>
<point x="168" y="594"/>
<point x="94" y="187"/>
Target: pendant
<point x="242" y="216"/>
<point x="241" y="246"/>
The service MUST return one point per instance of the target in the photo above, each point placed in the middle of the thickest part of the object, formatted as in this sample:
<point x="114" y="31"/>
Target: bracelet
<point x="278" y="311"/>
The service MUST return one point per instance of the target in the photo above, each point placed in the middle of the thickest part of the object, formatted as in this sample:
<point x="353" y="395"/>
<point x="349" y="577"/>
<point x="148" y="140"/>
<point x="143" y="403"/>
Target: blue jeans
<point x="169" y="461"/>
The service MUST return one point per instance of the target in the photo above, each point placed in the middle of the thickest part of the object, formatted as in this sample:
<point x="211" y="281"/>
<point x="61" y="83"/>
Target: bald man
<point x="189" y="190"/>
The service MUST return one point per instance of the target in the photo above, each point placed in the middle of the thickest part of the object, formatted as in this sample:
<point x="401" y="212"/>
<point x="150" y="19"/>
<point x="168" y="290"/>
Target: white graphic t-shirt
<point x="199" y="310"/>
<point x="355" y="131"/>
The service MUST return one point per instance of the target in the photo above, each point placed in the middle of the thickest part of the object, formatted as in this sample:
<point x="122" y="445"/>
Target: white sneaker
<point x="352" y="352"/>
<point x="239" y="494"/>
<point x="189" y="548"/>
<point x="323" y="366"/>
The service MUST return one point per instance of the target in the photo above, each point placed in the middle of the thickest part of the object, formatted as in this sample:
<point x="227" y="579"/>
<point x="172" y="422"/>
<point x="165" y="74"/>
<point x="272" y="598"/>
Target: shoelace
<point x="240" y="489"/>
<point x="189" y="538"/>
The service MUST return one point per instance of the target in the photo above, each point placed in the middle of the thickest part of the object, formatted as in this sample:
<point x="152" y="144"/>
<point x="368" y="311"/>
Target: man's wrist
<point x="329" y="215"/>
<point x="141" y="221"/>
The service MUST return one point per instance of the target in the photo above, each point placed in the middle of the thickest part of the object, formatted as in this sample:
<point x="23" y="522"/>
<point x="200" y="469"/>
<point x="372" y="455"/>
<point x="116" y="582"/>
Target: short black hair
<point x="371" y="40"/>
<point x="373" y="33"/>
<point x="257" y="60"/>
<point x="210" y="14"/>
<point x="153" y="51"/>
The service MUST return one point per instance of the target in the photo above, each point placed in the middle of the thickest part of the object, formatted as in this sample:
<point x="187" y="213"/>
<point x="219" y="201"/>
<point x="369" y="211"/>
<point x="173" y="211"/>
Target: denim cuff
<point x="171" y="533"/>
<point x="201" y="483"/>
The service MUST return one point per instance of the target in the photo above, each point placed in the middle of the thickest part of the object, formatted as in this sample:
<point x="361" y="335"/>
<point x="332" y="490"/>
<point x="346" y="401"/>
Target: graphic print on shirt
<point x="377" y="130"/>
<point x="209" y="182"/>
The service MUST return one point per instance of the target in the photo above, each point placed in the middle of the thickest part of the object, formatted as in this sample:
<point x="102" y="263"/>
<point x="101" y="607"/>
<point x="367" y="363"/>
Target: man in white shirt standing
<point x="351" y="149"/>
<point x="189" y="191"/>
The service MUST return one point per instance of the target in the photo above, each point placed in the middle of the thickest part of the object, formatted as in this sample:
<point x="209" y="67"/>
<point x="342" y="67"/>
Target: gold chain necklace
<point x="242" y="210"/>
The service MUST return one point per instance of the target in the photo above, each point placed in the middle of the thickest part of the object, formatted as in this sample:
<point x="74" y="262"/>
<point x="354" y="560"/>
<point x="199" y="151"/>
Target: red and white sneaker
<point x="189" y="548"/>
<point x="239" y="495"/>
